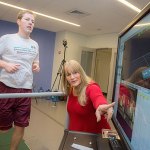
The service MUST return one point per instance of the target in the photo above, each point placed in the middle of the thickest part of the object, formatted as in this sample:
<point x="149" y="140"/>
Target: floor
<point x="46" y="125"/>
<point x="5" y="139"/>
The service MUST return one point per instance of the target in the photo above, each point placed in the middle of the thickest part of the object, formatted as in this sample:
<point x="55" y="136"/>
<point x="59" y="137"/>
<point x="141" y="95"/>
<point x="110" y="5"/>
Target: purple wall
<point x="46" y="41"/>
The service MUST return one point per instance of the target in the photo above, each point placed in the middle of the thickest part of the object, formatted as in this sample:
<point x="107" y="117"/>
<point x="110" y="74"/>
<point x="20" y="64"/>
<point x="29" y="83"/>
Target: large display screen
<point x="132" y="83"/>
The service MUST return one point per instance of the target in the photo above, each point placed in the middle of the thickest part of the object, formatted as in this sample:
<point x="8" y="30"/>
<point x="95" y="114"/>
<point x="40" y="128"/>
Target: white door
<point x="87" y="61"/>
<point x="102" y="68"/>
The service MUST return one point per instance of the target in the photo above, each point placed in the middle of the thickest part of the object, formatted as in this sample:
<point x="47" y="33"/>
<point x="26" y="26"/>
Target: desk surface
<point x="94" y="141"/>
<point x="103" y="144"/>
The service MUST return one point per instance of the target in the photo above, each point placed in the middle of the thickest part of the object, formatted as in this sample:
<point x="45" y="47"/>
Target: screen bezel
<point x="141" y="15"/>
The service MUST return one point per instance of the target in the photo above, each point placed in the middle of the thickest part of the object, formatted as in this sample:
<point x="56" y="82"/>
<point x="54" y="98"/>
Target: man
<point x="19" y="59"/>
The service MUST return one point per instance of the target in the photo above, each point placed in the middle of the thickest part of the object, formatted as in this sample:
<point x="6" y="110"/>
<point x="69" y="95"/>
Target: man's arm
<point x="9" y="67"/>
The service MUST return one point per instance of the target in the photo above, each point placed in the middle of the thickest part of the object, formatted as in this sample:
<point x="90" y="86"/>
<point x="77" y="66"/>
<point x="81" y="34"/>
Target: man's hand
<point x="10" y="67"/>
<point x="35" y="67"/>
<point x="106" y="109"/>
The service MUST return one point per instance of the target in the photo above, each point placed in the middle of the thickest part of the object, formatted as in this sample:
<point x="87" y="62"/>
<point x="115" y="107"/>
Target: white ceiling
<point x="104" y="16"/>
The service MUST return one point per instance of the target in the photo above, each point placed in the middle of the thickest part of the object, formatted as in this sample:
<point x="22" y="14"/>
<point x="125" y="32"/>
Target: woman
<point x="87" y="107"/>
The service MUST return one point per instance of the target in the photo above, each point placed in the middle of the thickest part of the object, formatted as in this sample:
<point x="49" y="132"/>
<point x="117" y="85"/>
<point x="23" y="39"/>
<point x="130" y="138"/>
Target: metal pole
<point x="19" y="95"/>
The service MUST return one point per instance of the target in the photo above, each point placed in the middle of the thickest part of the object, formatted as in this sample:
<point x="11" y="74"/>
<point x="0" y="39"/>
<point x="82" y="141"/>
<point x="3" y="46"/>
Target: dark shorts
<point x="14" y="110"/>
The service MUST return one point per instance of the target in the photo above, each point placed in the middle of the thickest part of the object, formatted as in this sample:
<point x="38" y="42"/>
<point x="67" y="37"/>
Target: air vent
<point x="77" y="13"/>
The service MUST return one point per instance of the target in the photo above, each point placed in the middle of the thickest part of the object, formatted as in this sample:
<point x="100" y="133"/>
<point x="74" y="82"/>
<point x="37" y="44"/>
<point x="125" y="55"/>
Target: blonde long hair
<point x="80" y="91"/>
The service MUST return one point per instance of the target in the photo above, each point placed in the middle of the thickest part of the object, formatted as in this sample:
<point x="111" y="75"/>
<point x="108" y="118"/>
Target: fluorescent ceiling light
<point x="40" y="14"/>
<point x="142" y="24"/>
<point x="130" y="5"/>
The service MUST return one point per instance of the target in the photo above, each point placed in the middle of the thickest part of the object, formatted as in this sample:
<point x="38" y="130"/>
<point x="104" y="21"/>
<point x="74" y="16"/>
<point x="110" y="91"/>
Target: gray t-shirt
<point x="18" y="50"/>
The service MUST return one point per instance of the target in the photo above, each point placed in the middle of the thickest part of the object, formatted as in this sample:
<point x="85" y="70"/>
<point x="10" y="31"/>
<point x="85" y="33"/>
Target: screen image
<point x="126" y="108"/>
<point x="132" y="84"/>
<point x="136" y="59"/>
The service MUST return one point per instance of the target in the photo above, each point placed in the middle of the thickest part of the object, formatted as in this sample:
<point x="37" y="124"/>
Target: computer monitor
<point x="132" y="83"/>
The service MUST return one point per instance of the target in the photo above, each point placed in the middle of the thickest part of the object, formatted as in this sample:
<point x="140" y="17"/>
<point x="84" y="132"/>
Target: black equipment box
<point x="93" y="141"/>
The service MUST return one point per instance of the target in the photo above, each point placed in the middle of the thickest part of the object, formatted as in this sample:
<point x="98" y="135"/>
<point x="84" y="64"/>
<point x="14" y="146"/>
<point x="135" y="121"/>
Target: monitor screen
<point x="132" y="83"/>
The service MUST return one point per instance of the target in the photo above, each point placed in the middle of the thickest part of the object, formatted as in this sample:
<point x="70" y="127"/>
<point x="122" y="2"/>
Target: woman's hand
<point x="105" y="109"/>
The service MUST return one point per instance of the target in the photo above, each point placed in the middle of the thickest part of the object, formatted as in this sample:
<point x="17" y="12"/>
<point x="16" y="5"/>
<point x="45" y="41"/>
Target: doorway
<point x="96" y="63"/>
<point x="88" y="61"/>
<point x="102" y="68"/>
